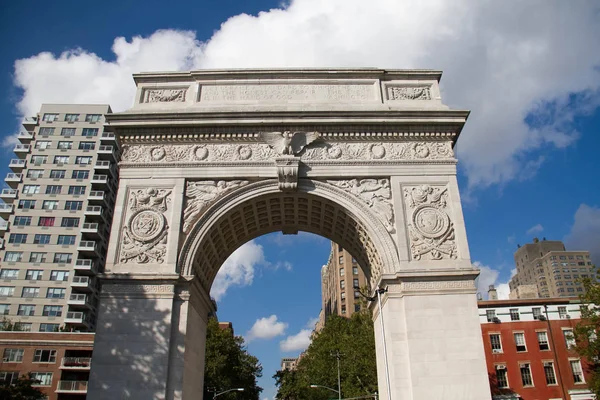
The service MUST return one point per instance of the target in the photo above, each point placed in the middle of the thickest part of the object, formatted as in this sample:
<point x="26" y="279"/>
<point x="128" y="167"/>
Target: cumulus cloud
<point x="266" y="328"/>
<point x="585" y="232"/>
<point x="489" y="276"/>
<point x="238" y="269"/>
<point x="535" y="229"/>
<point x="516" y="66"/>
<point x="297" y="342"/>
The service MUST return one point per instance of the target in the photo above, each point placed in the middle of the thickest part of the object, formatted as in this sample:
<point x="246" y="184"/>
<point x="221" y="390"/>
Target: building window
<point x="342" y="284"/>
<point x="34" y="274"/>
<point x="39" y="160"/>
<point x="44" y="356"/>
<point x="549" y="372"/>
<point x="67" y="132"/>
<point x="87" y="145"/>
<point x="65" y="145"/>
<point x="17" y="238"/>
<point x="57" y="174"/>
<point x="41" y="239"/>
<point x="80" y="174"/>
<point x="520" y="341"/>
<point x="35" y="173"/>
<point x="83" y="160"/>
<point x="490" y="314"/>
<point x="7" y="291"/>
<point x="73" y="205"/>
<point x="9" y="377"/>
<point x="9" y="273"/>
<point x="526" y="375"/>
<point x="343" y="296"/>
<point x="68" y="222"/>
<point x="89" y="132"/>
<point x="61" y="159"/>
<point x="52" y="311"/>
<point x="66" y="240"/>
<point x="63" y="258"/>
<point x="50" y="117"/>
<point x="71" y="117"/>
<point x="542" y="338"/>
<point x="31" y="189"/>
<point x="13" y="355"/>
<point x="562" y="312"/>
<point x="93" y="117"/>
<point x="59" y="276"/>
<point x="342" y="271"/>
<point x="13" y="256"/>
<point x="355" y="283"/>
<point x="26" y="310"/>
<point x="355" y="270"/>
<point x="53" y="189"/>
<point x="43" y="378"/>
<point x="341" y="260"/>
<point x="356" y="294"/>
<point x="30" y="292"/>
<point x="76" y="190"/>
<point x="514" y="314"/>
<point x="23" y="326"/>
<point x="496" y="343"/>
<point x="50" y="205"/>
<point x="26" y="204"/>
<point x="577" y="371"/>
<point x="47" y="131"/>
<point x="537" y="312"/>
<point x="55" y="293"/>
<point x="49" y="327"/>
<point x="4" y="309"/>
<point x="344" y="309"/>
<point x="501" y="378"/>
<point x="356" y="307"/>
<point x="46" y="221"/>
<point x="22" y="221"/>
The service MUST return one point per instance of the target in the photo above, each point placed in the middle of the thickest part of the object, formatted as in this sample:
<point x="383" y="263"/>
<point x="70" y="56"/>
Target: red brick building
<point x="60" y="361"/>
<point x="528" y="345"/>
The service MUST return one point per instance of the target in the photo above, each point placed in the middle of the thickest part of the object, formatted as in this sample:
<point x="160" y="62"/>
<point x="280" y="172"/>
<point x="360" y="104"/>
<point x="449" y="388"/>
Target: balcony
<point x="108" y="137"/>
<point x="78" y="318"/>
<point x="25" y="137"/>
<point x="21" y="150"/>
<point x="6" y="210"/>
<point x="99" y="180"/>
<point x="82" y="282"/>
<point x="87" y="246"/>
<point x="79" y="300"/>
<point x="93" y="211"/>
<point x="29" y="123"/>
<point x="13" y="180"/>
<point x="96" y="196"/>
<point x="8" y="195"/>
<point x="1" y="244"/>
<point x="84" y="266"/>
<point x="76" y="363"/>
<point x="17" y="165"/>
<point x="3" y="227"/>
<point x="72" y="386"/>
<point x="107" y="153"/>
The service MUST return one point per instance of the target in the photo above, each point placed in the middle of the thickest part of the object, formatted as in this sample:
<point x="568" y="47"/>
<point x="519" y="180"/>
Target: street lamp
<point x="227" y="391"/>
<point x="339" y="392"/>
<point x="380" y="291"/>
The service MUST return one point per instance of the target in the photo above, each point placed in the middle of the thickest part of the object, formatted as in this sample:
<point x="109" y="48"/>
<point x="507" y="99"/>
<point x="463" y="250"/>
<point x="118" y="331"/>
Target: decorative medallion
<point x="200" y="153"/>
<point x="244" y="152"/>
<point x="146" y="225"/>
<point x="377" y="150"/>
<point x="157" y="153"/>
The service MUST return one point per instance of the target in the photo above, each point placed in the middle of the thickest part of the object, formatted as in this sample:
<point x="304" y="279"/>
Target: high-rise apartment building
<point x="57" y="212"/>
<point x="548" y="265"/>
<point x="338" y="279"/>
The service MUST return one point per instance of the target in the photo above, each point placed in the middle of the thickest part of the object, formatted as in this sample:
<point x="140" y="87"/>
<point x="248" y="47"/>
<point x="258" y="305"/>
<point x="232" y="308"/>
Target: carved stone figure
<point x="430" y="229"/>
<point x="201" y="194"/>
<point x="408" y="93"/>
<point x="289" y="143"/>
<point x="287" y="171"/>
<point x="144" y="236"/>
<point x="376" y="193"/>
<point x="165" y="95"/>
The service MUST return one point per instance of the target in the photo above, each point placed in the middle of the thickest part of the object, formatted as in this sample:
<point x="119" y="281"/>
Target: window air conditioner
<point x="496" y="351"/>
<point x="496" y="320"/>
<point x="541" y="317"/>
<point x="500" y="366"/>
<point x="547" y="364"/>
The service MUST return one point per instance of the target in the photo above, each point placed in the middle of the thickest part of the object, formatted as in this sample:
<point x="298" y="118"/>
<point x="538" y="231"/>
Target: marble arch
<point x="212" y="159"/>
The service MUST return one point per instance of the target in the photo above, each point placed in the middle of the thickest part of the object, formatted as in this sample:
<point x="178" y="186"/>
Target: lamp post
<point x="380" y="291"/>
<point x="339" y="392"/>
<point x="227" y="391"/>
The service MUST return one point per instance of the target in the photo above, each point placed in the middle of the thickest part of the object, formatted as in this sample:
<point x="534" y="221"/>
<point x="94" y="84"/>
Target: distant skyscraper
<point x="57" y="213"/>
<point x="555" y="271"/>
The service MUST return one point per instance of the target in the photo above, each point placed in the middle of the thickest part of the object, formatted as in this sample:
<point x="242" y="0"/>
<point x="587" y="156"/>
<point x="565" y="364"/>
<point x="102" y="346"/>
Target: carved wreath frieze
<point x="431" y="230"/>
<point x="137" y="288"/>
<point x="144" y="237"/>
<point x="375" y="193"/>
<point x="201" y="194"/>
<point x="409" y="93"/>
<point x="165" y="95"/>
<point x="260" y="152"/>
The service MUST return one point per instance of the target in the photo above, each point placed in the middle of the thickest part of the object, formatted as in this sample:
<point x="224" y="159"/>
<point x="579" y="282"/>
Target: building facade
<point x="529" y="349"/>
<point x="555" y="271"/>
<point x="339" y="278"/>
<point x="59" y="361"/>
<point x="57" y="213"/>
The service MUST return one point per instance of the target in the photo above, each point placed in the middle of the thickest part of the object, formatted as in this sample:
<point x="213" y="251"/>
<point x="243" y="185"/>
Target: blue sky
<point x="529" y="72"/>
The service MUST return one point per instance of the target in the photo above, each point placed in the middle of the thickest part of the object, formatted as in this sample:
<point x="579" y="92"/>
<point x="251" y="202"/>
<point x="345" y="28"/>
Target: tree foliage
<point x="586" y="332"/>
<point x="354" y="339"/>
<point x="229" y="365"/>
<point x="22" y="389"/>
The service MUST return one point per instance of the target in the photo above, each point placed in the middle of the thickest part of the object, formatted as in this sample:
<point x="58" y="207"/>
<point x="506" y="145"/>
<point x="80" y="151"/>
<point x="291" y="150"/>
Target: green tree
<point x="7" y="325"/>
<point x="22" y="389"/>
<point x="354" y="339"/>
<point x="586" y="332"/>
<point x="229" y="365"/>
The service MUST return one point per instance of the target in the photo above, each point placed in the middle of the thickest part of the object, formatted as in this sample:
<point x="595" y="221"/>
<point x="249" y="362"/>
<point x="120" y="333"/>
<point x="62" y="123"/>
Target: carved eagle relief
<point x="287" y="142"/>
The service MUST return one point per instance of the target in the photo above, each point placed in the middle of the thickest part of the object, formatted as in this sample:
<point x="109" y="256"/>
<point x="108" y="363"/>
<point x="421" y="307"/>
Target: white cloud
<point x="585" y="232"/>
<point x="238" y="269"/>
<point x="312" y="322"/>
<point x="489" y="276"/>
<point x="502" y="61"/>
<point x="266" y="328"/>
<point x="535" y="229"/>
<point x="297" y="342"/>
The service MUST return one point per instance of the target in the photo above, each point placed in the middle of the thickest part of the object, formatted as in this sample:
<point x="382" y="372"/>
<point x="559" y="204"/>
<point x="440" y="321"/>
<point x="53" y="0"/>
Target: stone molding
<point x="408" y="92"/>
<point x="137" y="288"/>
<point x="164" y="95"/>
